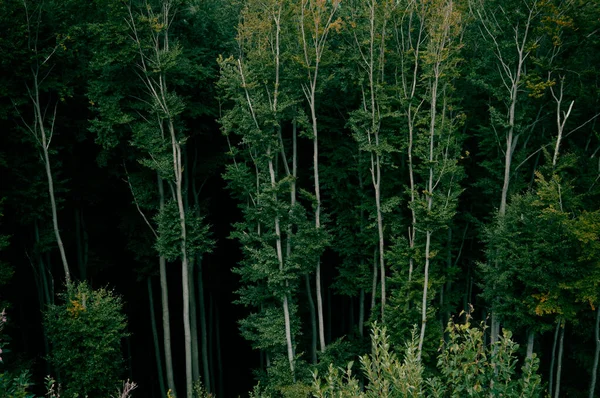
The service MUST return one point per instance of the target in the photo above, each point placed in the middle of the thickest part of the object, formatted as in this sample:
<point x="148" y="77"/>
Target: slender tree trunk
<point x="192" y="266"/>
<point x="555" y="341"/>
<point x="412" y="228"/>
<point x="318" y="38"/>
<point x="184" y="271"/>
<point x="219" y="358"/>
<point x="512" y="137"/>
<point x="164" y="288"/>
<point x="425" y="289"/>
<point x="530" y="341"/>
<point x="194" y="324"/>
<point x="318" y="226"/>
<point x="313" y="320"/>
<point x="45" y="145"/>
<point x="374" y="283"/>
<point x="203" y="336"/>
<point x="329" y="328"/>
<point x="361" y="313"/>
<point x="430" y="188"/>
<point x="560" y="356"/>
<point x="279" y="250"/>
<point x="206" y="369"/>
<point x="596" y="354"/>
<point x="157" y="351"/>
<point x="211" y="337"/>
<point x="178" y="173"/>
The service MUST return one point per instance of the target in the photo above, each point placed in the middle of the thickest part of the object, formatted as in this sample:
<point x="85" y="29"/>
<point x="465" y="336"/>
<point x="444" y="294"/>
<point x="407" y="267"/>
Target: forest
<point x="299" y="198"/>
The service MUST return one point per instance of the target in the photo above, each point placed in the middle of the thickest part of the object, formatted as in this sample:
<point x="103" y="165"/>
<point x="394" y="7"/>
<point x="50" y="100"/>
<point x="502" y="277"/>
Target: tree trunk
<point x="191" y="272"/>
<point x="430" y="188"/>
<point x="318" y="39"/>
<point x="203" y="333"/>
<point x="560" y="356"/>
<point x="44" y="140"/>
<point x="164" y="288"/>
<point x="374" y="284"/>
<point x="178" y="173"/>
<point x="211" y="337"/>
<point x="279" y="251"/>
<point x="361" y="313"/>
<point x="425" y="289"/>
<point x="551" y="377"/>
<point x="596" y="354"/>
<point x="219" y="359"/>
<point x="157" y="352"/>
<point x="194" y="324"/>
<point x="313" y="320"/>
<point x="530" y="341"/>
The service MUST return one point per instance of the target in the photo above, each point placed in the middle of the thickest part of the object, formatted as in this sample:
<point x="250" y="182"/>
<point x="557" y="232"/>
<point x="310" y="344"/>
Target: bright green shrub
<point x="85" y="332"/>
<point x="467" y="368"/>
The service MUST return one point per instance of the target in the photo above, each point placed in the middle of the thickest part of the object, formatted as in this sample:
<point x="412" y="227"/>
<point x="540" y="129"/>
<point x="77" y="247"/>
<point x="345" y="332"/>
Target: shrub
<point x="85" y="333"/>
<point x="467" y="368"/>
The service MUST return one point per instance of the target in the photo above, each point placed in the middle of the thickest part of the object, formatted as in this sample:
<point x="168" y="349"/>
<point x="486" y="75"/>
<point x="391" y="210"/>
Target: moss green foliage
<point x="85" y="331"/>
<point x="466" y="367"/>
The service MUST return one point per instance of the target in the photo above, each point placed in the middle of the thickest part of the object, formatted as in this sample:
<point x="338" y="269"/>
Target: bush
<point x="85" y="333"/>
<point x="466" y="366"/>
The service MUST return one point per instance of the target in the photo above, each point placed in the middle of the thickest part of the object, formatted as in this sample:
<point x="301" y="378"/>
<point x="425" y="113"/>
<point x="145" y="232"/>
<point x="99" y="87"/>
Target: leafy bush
<point x="467" y="368"/>
<point x="85" y="332"/>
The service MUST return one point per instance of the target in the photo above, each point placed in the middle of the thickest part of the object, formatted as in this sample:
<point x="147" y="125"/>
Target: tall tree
<point x="316" y="19"/>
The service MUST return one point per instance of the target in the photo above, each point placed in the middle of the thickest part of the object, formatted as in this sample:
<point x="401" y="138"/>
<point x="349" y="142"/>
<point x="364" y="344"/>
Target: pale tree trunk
<point x="194" y="325"/>
<point x="318" y="38"/>
<point x="43" y="138"/>
<point x="177" y="166"/>
<point x="206" y="369"/>
<point x="560" y="357"/>
<point x="278" y="243"/>
<point x="440" y="35"/>
<point x="530" y="341"/>
<point x="361" y="313"/>
<point x="596" y="354"/>
<point x="279" y="249"/>
<point x="42" y="133"/>
<point x="158" y="91"/>
<point x="211" y="338"/>
<point x="191" y="272"/>
<point x="293" y="174"/>
<point x="512" y="76"/>
<point x="409" y="42"/>
<point x="157" y="352"/>
<point x="561" y="118"/>
<point x="430" y="188"/>
<point x="374" y="282"/>
<point x="164" y="289"/>
<point x="552" y="361"/>
<point x="373" y="64"/>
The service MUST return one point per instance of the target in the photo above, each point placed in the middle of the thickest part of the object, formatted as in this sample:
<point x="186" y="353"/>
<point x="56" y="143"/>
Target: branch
<point x="137" y="204"/>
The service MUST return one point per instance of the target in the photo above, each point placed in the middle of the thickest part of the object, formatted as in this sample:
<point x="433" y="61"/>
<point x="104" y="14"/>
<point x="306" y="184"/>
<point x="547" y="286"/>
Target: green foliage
<point x="467" y="367"/>
<point x="168" y="243"/>
<point x="15" y="386"/>
<point x="85" y="331"/>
